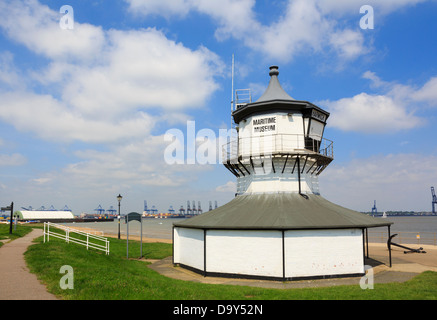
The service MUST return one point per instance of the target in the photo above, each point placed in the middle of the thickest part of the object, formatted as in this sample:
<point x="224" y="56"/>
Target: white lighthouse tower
<point x="280" y="145"/>
<point x="278" y="226"/>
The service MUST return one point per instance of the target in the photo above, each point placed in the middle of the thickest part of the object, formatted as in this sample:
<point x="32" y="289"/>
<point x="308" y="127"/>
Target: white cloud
<point x="137" y="168"/>
<point x="99" y="83"/>
<point x="229" y="186"/>
<point x="428" y="93"/>
<point x="349" y="44"/>
<point x="158" y="7"/>
<point x="394" y="109"/>
<point x="141" y="69"/>
<point x="395" y="181"/>
<point x="342" y="7"/>
<point x="301" y="26"/>
<point x="109" y="88"/>
<point x="52" y="120"/>
<point x="370" y="114"/>
<point x="14" y="159"/>
<point x="9" y="76"/>
<point x="37" y="27"/>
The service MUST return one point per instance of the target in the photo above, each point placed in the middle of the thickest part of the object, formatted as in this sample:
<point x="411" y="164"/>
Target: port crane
<point x="188" y="207"/>
<point x="154" y="210"/>
<point x="374" y="210"/>
<point x="100" y="210"/>
<point x="194" y="207"/>
<point x="182" y="210"/>
<point x="434" y="200"/>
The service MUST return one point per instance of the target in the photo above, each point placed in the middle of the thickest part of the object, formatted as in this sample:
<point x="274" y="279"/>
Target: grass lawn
<point x="20" y="231"/>
<point x="103" y="277"/>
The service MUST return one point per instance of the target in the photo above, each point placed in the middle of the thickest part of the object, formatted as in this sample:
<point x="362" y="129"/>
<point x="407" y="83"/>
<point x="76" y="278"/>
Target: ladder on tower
<point x="239" y="97"/>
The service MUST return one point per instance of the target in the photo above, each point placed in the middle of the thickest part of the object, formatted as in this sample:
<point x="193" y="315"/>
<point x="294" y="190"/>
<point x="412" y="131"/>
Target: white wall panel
<point x="188" y="247"/>
<point x="244" y="252"/>
<point x="323" y="252"/>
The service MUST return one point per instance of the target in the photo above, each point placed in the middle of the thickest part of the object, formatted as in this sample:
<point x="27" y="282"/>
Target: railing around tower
<point x="276" y="144"/>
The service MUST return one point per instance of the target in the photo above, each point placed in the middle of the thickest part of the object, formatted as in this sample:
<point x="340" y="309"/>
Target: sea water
<point x="404" y="226"/>
<point x="152" y="228"/>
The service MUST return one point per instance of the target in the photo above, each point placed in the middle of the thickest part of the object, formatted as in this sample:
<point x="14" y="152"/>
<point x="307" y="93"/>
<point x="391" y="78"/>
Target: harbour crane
<point x="199" y="209"/>
<point x="111" y="210"/>
<point x="171" y="210"/>
<point x="434" y="200"/>
<point x="194" y="207"/>
<point x="146" y="210"/>
<point x="182" y="210"/>
<point x="100" y="210"/>
<point x="374" y="210"/>
<point x="154" y="210"/>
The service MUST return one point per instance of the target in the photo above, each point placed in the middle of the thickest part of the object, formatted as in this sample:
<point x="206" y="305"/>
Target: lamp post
<point x="11" y="208"/>
<point x="119" y="197"/>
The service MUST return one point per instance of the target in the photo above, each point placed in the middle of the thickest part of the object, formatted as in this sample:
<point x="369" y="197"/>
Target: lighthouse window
<point x="316" y="130"/>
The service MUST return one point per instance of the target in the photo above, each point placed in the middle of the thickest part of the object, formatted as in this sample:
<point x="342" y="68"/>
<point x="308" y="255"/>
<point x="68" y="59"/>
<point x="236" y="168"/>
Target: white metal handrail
<point x="92" y="241"/>
<point x="276" y="143"/>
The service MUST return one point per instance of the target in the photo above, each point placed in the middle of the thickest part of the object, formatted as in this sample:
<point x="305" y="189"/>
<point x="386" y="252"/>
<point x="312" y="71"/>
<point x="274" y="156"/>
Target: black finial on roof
<point x="274" y="71"/>
<point x="274" y="91"/>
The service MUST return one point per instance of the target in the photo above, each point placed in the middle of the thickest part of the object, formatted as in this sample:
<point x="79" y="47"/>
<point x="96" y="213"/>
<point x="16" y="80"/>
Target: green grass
<point x="20" y="231"/>
<point x="102" y="277"/>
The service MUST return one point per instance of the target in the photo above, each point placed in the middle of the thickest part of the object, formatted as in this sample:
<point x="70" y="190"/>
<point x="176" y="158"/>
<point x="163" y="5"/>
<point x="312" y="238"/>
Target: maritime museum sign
<point x="264" y="125"/>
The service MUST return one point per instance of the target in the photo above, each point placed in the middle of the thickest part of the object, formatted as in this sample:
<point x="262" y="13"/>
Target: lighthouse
<point x="278" y="226"/>
<point x="280" y="146"/>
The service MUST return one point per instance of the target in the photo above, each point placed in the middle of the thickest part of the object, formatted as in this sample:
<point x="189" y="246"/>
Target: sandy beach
<point x="122" y="236"/>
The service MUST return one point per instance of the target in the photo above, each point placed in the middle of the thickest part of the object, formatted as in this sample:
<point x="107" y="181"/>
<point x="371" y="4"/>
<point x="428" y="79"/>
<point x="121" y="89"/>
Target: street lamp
<point x="119" y="197"/>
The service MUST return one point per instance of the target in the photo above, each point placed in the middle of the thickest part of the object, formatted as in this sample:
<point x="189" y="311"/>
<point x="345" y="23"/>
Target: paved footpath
<point x="16" y="282"/>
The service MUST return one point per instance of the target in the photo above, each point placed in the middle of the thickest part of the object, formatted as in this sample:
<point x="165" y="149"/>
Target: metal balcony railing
<point x="276" y="144"/>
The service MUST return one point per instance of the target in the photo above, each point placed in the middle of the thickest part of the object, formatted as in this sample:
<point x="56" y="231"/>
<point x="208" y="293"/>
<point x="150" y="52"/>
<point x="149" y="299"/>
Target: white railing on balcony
<point x="276" y="144"/>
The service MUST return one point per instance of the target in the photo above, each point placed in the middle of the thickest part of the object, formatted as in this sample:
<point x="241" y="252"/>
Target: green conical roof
<point x="282" y="211"/>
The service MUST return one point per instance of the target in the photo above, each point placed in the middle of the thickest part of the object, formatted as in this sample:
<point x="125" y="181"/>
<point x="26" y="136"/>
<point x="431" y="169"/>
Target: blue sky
<point x="83" y="112"/>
